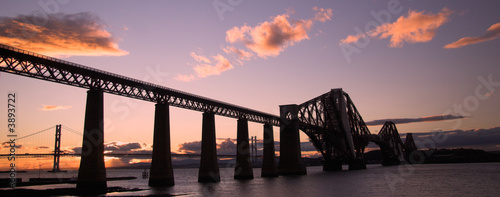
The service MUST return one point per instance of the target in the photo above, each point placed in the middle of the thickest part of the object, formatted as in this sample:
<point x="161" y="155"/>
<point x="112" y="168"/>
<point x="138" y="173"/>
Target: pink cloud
<point x="491" y="33"/>
<point x="268" y="38"/>
<point x="221" y="65"/>
<point x="416" y="27"/>
<point x="271" y="37"/>
<point x="185" y="78"/>
<point x="240" y="53"/>
<point x="200" y="58"/>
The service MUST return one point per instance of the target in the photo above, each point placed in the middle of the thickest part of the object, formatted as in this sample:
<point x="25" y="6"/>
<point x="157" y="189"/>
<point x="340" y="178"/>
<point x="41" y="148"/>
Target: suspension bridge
<point x="37" y="145"/>
<point x="331" y="121"/>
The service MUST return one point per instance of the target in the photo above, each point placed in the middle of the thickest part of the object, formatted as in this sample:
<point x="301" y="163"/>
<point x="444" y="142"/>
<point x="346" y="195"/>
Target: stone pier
<point x="209" y="168"/>
<point x="243" y="169"/>
<point x="269" y="168"/>
<point x="161" y="173"/>
<point x="290" y="154"/>
<point x="92" y="172"/>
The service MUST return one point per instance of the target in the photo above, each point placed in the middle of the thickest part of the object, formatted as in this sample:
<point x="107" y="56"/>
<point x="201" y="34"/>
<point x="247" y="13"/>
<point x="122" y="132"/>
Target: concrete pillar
<point x="269" y="168"/>
<point x="332" y="165"/>
<point x="290" y="154"/>
<point x="92" y="172"/>
<point x="357" y="164"/>
<point x="209" y="168"/>
<point x="161" y="173"/>
<point x="243" y="169"/>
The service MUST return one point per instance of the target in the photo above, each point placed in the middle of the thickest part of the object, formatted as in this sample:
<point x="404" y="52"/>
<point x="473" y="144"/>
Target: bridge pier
<point x="357" y="164"/>
<point x="243" y="169"/>
<point x="269" y="168"/>
<point x="332" y="165"/>
<point x="209" y="168"/>
<point x="290" y="153"/>
<point x="92" y="172"/>
<point x="161" y="173"/>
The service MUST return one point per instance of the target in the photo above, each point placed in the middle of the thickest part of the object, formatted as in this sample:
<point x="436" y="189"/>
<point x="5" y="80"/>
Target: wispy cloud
<point x="185" y="78"/>
<point x="416" y="27"/>
<point x="200" y="58"/>
<point x="120" y="146"/>
<point x="491" y="33"/>
<point x="267" y="39"/>
<point x="241" y="54"/>
<point x="7" y="144"/>
<point x="80" y="34"/>
<point x="225" y="146"/>
<point x="54" y="107"/>
<point x="486" y="139"/>
<point x="221" y="64"/>
<point x="322" y="14"/>
<point x="413" y="120"/>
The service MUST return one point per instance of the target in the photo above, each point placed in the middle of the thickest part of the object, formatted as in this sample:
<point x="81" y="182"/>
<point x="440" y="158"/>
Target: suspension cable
<point x="35" y="133"/>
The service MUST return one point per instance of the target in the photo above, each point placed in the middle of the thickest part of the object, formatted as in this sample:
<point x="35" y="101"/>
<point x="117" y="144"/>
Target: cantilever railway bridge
<point x="331" y="121"/>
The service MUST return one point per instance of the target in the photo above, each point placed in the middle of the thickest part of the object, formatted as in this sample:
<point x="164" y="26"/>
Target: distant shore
<point x="432" y="156"/>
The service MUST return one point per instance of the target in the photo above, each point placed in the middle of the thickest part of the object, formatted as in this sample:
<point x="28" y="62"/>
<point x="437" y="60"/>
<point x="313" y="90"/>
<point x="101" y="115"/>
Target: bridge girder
<point x="332" y="122"/>
<point x="25" y="63"/>
<point x="390" y="144"/>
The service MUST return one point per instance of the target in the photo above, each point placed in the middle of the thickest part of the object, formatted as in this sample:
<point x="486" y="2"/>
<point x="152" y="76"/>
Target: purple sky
<point x="411" y="60"/>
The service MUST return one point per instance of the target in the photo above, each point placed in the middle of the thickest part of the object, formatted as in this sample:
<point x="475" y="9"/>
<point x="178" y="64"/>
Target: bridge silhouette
<point x="331" y="121"/>
<point x="57" y="152"/>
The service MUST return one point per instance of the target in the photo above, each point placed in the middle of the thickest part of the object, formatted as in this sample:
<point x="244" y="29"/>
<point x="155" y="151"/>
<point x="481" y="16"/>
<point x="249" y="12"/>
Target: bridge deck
<point x="25" y="63"/>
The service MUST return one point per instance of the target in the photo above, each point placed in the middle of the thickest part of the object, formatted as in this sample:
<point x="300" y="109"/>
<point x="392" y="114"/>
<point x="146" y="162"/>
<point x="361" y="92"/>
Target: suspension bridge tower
<point x="57" y="150"/>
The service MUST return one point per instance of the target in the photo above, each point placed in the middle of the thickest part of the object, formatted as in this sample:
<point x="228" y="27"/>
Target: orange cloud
<point x="54" y="107"/>
<point x="200" y="58"/>
<point x="240" y="53"/>
<point x="206" y="67"/>
<point x="221" y="65"/>
<point x="322" y="14"/>
<point x="416" y="27"/>
<point x="185" y="78"/>
<point x="272" y="37"/>
<point x="80" y="34"/>
<point x="268" y="38"/>
<point x="491" y="33"/>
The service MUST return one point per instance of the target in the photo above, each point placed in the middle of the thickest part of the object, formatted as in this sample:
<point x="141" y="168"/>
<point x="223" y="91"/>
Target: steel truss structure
<point x="331" y="120"/>
<point x="390" y="144"/>
<point x="334" y="126"/>
<point x="25" y="63"/>
<point x="337" y="130"/>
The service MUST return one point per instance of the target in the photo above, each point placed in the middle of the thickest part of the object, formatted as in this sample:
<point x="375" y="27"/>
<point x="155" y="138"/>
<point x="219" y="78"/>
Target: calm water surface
<point x="406" y="180"/>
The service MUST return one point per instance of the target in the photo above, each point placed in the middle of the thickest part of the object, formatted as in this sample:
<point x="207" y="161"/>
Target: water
<point x="406" y="180"/>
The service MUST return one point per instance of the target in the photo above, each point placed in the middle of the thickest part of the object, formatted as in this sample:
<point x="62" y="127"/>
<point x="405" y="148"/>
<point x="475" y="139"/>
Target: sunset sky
<point x="427" y="65"/>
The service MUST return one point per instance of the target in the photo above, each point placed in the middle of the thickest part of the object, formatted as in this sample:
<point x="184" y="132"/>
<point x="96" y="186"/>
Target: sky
<point x="429" y="66"/>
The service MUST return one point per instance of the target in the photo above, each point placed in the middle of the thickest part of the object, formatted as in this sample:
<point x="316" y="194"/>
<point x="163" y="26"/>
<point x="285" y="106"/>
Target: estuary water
<point x="477" y="179"/>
